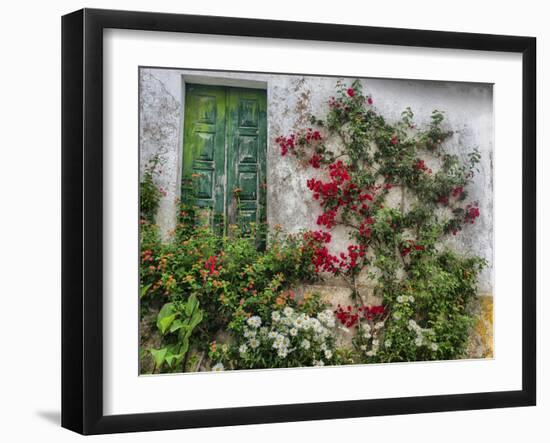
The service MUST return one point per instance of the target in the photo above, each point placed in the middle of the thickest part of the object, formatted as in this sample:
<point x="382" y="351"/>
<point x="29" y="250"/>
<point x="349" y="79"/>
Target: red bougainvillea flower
<point x="365" y="196"/>
<point x="210" y="264"/>
<point x="371" y="312"/>
<point x="317" y="237"/>
<point x="411" y="246"/>
<point x="472" y="212"/>
<point x="369" y="100"/>
<point x="421" y="166"/>
<point x="458" y="191"/>
<point x="364" y="231"/>
<point x="349" y="316"/>
<point x="312" y="135"/>
<point x="346" y="316"/>
<point x="286" y="143"/>
<point x="315" y="161"/>
<point x="394" y="139"/>
<point x="338" y="172"/>
<point x="327" y="219"/>
<point x="351" y="92"/>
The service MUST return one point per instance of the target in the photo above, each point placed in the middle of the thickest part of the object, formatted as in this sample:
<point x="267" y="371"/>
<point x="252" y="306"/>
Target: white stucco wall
<point x="468" y="108"/>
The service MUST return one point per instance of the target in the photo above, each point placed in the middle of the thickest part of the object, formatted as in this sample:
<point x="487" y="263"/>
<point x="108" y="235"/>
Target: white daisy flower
<point x="288" y="311"/>
<point x="327" y="317"/>
<point x="328" y="354"/>
<point x="254" y="322"/>
<point x="375" y="343"/>
<point x="282" y="352"/>
<point x="218" y="367"/>
<point x="272" y="334"/>
<point x="299" y="322"/>
<point x="388" y="343"/>
<point x="243" y="349"/>
<point x="275" y="316"/>
<point x="371" y="353"/>
<point x="363" y="347"/>
<point x="411" y="298"/>
<point x="254" y="343"/>
<point x="413" y="325"/>
<point x="287" y="321"/>
<point x="379" y="325"/>
<point x="293" y="332"/>
<point x="418" y="341"/>
<point x="281" y="342"/>
<point x="400" y="299"/>
<point x="305" y="344"/>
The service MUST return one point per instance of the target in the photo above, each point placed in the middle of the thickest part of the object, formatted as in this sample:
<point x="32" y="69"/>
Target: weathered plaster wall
<point x="469" y="113"/>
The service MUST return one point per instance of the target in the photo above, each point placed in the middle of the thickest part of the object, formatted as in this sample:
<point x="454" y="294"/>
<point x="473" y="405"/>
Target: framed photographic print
<point x="270" y="221"/>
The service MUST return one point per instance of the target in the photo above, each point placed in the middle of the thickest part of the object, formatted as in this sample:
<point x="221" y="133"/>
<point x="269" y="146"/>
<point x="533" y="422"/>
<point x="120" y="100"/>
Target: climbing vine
<point x="399" y="194"/>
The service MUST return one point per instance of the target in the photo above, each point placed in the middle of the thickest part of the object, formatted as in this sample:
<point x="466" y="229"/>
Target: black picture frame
<point x="82" y="218"/>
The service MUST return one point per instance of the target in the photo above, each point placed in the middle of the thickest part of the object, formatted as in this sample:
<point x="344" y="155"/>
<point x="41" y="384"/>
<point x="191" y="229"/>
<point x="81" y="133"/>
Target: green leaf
<point x="166" y="316"/>
<point x="184" y="346"/>
<point x="196" y="319"/>
<point x="165" y="322"/>
<point x="143" y="290"/>
<point x="192" y="304"/>
<point x="158" y="355"/>
<point x="173" y="358"/>
<point x="177" y="324"/>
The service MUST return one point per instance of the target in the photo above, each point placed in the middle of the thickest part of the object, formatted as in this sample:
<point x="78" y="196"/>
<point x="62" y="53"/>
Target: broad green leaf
<point x="175" y="355"/>
<point x="158" y="355"/>
<point x="166" y="316"/>
<point x="165" y="322"/>
<point x="192" y="304"/>
<point x="184" y="346"/>
<point x="196" y="319"/>
<point x="177" y="324"/>
<point x="167" y="309"/>
<point x="173" y="359"/>
<point x="143" y="290"/>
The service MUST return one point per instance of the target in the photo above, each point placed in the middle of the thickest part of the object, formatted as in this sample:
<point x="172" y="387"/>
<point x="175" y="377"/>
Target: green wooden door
<point x="225" y="138"/>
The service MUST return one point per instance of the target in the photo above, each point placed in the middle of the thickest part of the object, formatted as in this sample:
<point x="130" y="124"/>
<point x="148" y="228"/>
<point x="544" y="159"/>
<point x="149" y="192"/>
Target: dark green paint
<point x="225" y="139"/>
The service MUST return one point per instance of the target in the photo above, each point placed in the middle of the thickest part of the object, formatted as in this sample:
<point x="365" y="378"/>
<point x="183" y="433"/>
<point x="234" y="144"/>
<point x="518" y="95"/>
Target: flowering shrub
<point x="288" y="337"/>
<point x="227" y="274"/>
<point x="425" y="287"/>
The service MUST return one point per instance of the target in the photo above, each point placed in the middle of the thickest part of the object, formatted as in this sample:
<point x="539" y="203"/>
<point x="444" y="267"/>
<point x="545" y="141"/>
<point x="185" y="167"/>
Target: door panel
<point x="246" y="165"/>
<point x="204" y="148"/>
<point x="225" y="139"/>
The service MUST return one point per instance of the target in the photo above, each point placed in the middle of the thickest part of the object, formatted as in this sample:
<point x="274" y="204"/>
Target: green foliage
<point x="224" y="298"/>
<point x="299" y="334"/>
<point x="176" y="321"/>
<point x="426" y="288"/>
<point x="227" y="273"/>
<point x="149" y="197"/>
